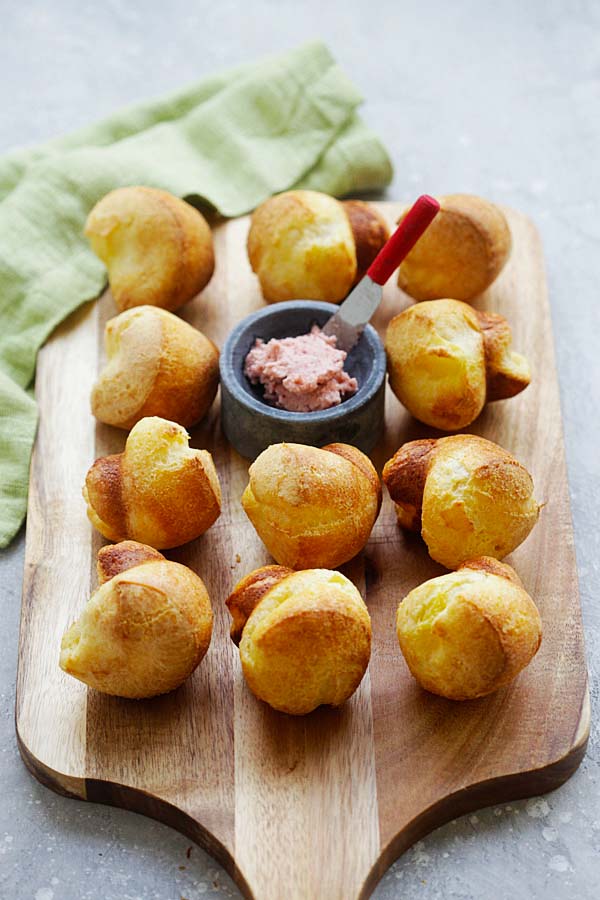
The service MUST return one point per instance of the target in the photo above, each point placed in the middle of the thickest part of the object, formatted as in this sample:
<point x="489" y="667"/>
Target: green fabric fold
<point x="230" y="141"/>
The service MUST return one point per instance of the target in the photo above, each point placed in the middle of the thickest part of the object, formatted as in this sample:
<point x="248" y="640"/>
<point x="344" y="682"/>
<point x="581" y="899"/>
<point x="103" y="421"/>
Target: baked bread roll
<point x="312" y="508"/>
<point x="144" y="630"/>
<point x="446" y="360"/>
<point x="301" y="246"/>
<point x="305" y="245"/>
<point x="461" y="253"/>
<point x="466" y="496"/>
<point x="157" y="365"/>
<point x="304" y="637"/>
<point x="157" y="248"/>
<point x="158" y="491"/>
<point x="470" y="632"/>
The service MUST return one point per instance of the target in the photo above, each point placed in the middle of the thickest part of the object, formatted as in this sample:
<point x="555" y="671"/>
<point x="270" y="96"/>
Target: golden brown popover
<point x="466" y="496"/>
<point x="470" y="632"/>
<point x="157" y="248"/>
<point x="312" y="508"/>
<point x="305" y="245"/>
<point x="158" y="491"/>
<point x="304" y="637"/>
<point x="157" y="365"/>
<point x="301" y="246"/>
<point x="461" y="253"/>
<point x="145" y="628"/>
<point x="446" y="360"/>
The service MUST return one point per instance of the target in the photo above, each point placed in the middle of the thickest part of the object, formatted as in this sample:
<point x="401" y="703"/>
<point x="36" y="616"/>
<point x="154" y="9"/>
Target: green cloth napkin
<point x="230" y="141"/>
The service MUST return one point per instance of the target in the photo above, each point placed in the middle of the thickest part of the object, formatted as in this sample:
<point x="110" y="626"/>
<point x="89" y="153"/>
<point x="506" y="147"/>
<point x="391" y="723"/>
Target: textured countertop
<point x="496" y="99"/>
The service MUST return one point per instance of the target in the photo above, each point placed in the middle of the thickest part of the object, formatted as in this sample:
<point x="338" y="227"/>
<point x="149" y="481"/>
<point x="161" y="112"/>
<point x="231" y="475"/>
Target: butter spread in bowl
<point x="300" y="374"/>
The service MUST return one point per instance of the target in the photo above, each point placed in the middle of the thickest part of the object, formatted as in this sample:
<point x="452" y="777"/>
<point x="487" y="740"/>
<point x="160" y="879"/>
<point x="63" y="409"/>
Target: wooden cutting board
<point x="313" y="807"/>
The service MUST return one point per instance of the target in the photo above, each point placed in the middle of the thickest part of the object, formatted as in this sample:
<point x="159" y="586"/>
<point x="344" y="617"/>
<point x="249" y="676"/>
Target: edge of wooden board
<point x="516" y="786"/>
<point x="503" y="789"/>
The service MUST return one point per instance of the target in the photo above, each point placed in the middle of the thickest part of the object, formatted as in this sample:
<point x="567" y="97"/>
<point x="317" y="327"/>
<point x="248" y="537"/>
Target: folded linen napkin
<point x="231" y="140"/>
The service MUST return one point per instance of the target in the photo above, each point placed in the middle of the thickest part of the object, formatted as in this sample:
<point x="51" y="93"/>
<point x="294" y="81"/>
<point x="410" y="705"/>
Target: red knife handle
<point x="415" y="222"/>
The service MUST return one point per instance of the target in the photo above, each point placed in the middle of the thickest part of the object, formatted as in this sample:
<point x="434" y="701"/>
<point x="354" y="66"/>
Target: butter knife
<point x="355" y="312"/>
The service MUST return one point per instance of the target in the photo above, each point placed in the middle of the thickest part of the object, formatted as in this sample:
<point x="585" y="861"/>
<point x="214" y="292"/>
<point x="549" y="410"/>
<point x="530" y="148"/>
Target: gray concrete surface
<point x="499" y="99"/>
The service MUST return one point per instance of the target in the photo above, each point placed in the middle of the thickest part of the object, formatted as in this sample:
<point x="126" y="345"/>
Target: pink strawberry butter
<point x="300" y="374"/>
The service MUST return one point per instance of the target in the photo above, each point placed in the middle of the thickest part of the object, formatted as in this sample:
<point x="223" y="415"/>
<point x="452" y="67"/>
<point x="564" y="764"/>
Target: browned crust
<point x="190" y="263"/>
<point x="311" y="511"/>
<point x="330" y="275"/>
<point x="197" y="249"/>
<point x="501" y="386"/>
<point x="497" y="338"/>
<point x="176" y="364"/>
<point x="344" y="639"/>
<point x="104" y="483"/>
<point x="413" y="337"/>
<point x="499" y="622"/>
<point x="494" y="567"/>
<point x="362" y="462"/>
<point x="196" y="254"/>
<point x="404" y="476"/>
<point x="183" y="504"/>
<point x="461" y="253"/>
<point x="265" y="219"/>
<point x="116" y="558"/>
<point x="174" y="506"/>
<point x="248" y="593"/>
<point x="370" y="232"/>
<point x="187" y="379"/>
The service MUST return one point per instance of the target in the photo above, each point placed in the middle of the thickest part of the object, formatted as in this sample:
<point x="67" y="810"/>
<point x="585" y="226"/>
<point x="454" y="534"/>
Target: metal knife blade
<point x="348" y="323"/>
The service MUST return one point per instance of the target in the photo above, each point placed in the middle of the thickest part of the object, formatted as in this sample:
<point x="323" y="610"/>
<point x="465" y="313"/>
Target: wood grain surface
<point x="319" y="806"/>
